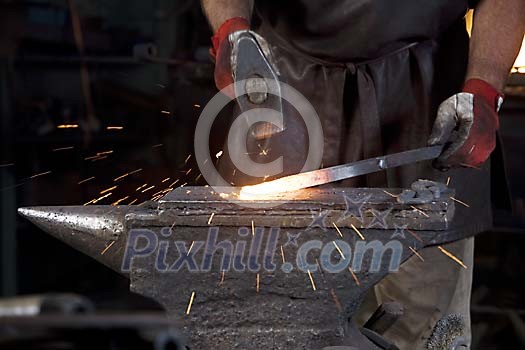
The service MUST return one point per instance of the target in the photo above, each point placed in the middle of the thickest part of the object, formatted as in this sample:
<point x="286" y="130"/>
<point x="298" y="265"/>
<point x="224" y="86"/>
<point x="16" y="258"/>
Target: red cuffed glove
<point x="221" y="52"/>
<point x="466" y="124"/>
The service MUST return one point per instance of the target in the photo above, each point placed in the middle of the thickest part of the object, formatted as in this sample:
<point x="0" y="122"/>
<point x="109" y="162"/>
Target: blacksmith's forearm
<point x="219" y="11"/>
<point x="497" y="34"/>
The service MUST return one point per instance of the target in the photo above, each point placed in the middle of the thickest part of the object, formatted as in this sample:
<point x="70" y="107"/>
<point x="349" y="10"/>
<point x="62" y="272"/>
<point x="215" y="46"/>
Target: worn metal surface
<point x="231" y="310"/>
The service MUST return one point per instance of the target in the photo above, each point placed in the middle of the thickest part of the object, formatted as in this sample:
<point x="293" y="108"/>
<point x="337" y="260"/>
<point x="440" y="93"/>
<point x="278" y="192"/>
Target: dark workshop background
<point x="92" y="90"/>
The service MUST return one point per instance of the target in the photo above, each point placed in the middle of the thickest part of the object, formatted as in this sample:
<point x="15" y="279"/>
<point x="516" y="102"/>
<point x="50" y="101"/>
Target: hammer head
<point x="257" y="86"/>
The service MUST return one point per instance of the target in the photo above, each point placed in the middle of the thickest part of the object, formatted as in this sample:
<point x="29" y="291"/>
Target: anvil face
<point x="288" y="275"/>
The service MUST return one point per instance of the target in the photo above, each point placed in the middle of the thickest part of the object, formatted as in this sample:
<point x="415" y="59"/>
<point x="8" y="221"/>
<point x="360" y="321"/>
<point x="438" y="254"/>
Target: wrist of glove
<point x="466" y="125"/>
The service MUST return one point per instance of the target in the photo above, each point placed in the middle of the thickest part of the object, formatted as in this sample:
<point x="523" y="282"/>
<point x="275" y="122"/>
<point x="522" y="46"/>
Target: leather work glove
<point x="224" y="50"/>
<point x="466" y="125"/>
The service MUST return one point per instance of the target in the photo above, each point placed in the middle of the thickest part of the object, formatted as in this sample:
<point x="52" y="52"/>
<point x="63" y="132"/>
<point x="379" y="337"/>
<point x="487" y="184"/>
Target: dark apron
<point x="377" y="106"/>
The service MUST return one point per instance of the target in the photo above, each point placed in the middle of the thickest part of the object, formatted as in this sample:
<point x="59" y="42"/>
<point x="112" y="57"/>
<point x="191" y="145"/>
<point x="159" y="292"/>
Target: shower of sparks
<point x="282" y="255"/>
<point x="40" y="174"/>
<point x="336" y="300"/>
<point x="108" y="190"/>
<point x="67" y="126"/>
<point x="211" y="218"/>
<point x="416" y="236"/>
<point x="460" y="202"/>
<point x="390" y="194"/>
<point x="165" y="112"/>
<point x="187" y="158"/>
<point x="133" y="201"/>
<point x="114" y="128"/>
<point x="218" y="154"/>
<point x="166" y="179"/>
<point x="119" y="201"/>
<point x="85" y="180"/>
<point x="416" y="253"/>
<point x="452" y="256"/>
<point x="339" y="250"/>
<point x="419" y="211"/>
<point x="257" y="283"/>
<point x="157" y="145"/>
<point x="358" y="232"/>
<point x="191" y="246"/>
<point x="141" y="187"/>
<point x="107" y="248"/>
<point x="96" y="200"/>
<point x="253" y="229"/>
<point x="354" y="277"/>
<point x="338" y="230"/>
<point x="147" y="189"/>
<point x="222" y="278"/>
<point x="312" y="280"/>
<point x="448" y="181"/>
<point x="126" y="175"/>
<point x="190" y="303"/>
<point x="63" y="149"/>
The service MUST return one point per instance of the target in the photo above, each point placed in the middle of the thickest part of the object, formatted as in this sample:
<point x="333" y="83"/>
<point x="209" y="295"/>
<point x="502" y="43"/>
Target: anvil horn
<point x="89" y="229"/>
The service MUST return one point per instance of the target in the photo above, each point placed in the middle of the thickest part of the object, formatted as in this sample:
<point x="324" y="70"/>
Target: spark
<point x="390" y="194"/>
<point x="338" y="230"/>
<point x="166" y="179"/>
<point x="211" y="218"/>
<point x="198" y="177"/>
<point x="354" y="277"/>
<point x="157" y="145"/>
<point x="187" y="158"/>
<point x="257" y="283"/>
<point x="188" y="191"/>
<point x="165" y="112"/>
<point x="141" y="187"/>
<point x="40" y="174"/>
<point x="218" y="154"/>
<point x="174" y="182"/>
<point x="147" y="189"/>
<point x="420" y="211"/>
<point x="127" y="174"/>
<point x="6" y="165"/>
<point x="222" y="278"/>
<point x="191" y="246"/>
<point x="104" y="153"/>
<point x="184" y="184"/>
<point x="282" y="254"/>
<point x="416" y="253"/>
<point x="448" y="180"/>
<point x="156" y="198"/>
<point x="253" y="229"/>
<point x="452" y="256"/>
<point x="312" y="280"/>
<point x="63" y="149"/>
<point x="264" y="152"/>
<point x="416" y="236"/>
<point x="336" y="300"/>
<point x="85" y="180"/>
<point x="114" y="128"/>
<point x="358" y="232"/>
<point x="107" y="248"/>
<point x="133" y="201"/>
<point x="96" y="200"/>
<point x="339" y="250"/>
<point x="98" y="158"/>
<point x="108" y="190"/>
<point x="190" y="303"/>
<point x="460" y="202"/>
<point x="67" y="126"/>
<point x="197" y="105"/>
<point x="119" y="201"/>
<point x="189" y="171"/>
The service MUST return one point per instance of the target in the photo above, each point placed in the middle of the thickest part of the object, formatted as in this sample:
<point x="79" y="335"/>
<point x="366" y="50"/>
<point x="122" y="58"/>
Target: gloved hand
<point x="221" y="52"/>
<point x="466" y="125"/>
